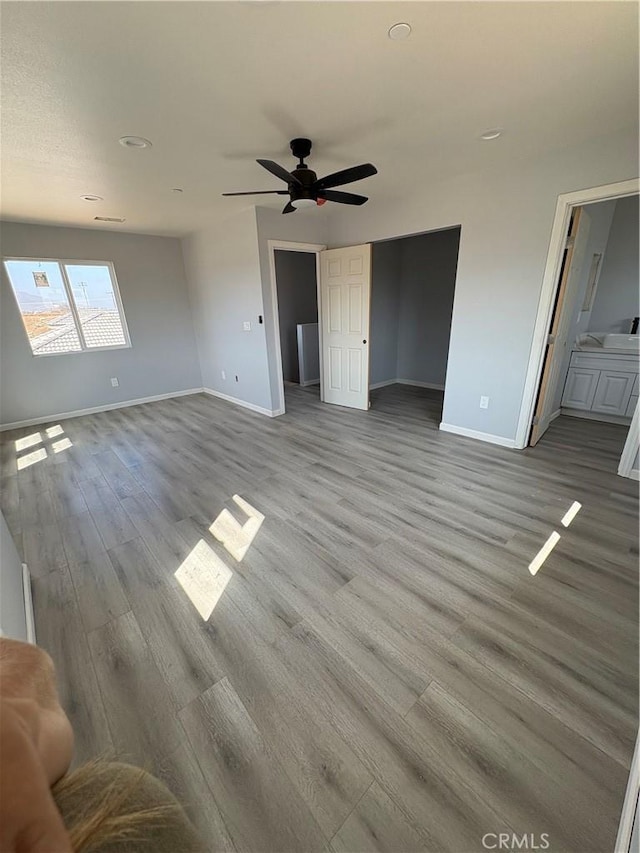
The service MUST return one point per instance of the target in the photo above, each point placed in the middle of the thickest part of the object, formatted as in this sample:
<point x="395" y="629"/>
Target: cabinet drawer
<point x="580" y="388"/>
<point x="613" y="392"/>
<point x="605" y="362"/>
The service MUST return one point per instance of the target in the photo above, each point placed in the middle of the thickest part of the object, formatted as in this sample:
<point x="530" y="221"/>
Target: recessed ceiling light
<point x="177" y="190"/>
<point x="494" y="133"/>
<point x="134" y="142"/>
<point x="91" y="198"/>
<point x="401" y="31"/>
<point x="108" y="219"/>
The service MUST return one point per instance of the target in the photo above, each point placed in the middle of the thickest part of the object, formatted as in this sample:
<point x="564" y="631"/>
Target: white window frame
<point x="72" y="303"/>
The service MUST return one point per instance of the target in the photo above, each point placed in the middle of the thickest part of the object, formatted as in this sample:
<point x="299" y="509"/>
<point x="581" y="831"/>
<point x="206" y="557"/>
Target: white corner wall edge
<point x="77" y="413"/>
<point x="28" y="605"/>
<point x="481" y="436"/>
<point x="270" y="413"/>
<point x="630" y="805"/>
<point x="374" y="385"/>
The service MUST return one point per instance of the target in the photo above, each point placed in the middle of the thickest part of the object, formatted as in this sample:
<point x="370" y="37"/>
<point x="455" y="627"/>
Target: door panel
<point x="561" y="322"/>
<point x="613" y="393"/>
<point x="345" y="295"/>
<point x="580" y="388"/>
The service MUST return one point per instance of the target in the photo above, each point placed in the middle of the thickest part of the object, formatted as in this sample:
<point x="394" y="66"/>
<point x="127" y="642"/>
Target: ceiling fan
<point x="304" y="188"/>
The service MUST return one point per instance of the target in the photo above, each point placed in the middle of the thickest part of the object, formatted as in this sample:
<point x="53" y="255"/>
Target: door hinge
<point x="570" y="241"/>
<point x="551" y="339"/>
<point x="535" y="421"/>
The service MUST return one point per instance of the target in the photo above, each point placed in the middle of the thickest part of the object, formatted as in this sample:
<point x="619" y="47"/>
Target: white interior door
<point x="345" y="296"/>
<point x="561" y="324"/>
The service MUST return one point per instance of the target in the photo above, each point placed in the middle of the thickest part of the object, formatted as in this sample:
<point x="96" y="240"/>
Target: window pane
<point x="44" y="306"/>
<point x="96" y="304"/>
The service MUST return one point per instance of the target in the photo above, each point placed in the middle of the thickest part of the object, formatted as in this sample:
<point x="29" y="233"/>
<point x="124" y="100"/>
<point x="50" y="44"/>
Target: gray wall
<point x="297" y="303"/>
<point x="506" y="211"/>
<point x="617" y="299"/>
<point x="428" y="270"/>
<point x="163" y="357"/>
<point x="412" y="288"/>
<point x="223" y="271"/>
<point x="385" y="310"/>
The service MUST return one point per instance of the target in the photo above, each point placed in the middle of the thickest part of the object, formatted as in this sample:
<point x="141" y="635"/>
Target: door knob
<point x="364" y="342"/>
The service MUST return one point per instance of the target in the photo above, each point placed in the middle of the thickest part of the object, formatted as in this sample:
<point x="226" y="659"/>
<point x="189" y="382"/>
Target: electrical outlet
<point x="246" y="326"/>
<point x="114" y="381"/>
<point x="484" y="402"/>
<point x="223" y="374"/>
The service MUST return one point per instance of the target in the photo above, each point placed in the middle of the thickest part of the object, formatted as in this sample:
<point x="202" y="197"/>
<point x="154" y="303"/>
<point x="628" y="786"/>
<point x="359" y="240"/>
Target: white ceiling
<point x="215" y="85"/>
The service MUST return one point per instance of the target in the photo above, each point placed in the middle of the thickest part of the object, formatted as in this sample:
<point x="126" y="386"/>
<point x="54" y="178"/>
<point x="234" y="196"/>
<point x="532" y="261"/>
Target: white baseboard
<point x="310" y="382"/>
<point x="270" y="413"/>
<point x="28" y="605"/>
<point x="77" y="413"/>
<point x="436" y="386"/>
<point x="413" y="382"/>
<point x="481" y="436"/>
<point x="596" y="416"/>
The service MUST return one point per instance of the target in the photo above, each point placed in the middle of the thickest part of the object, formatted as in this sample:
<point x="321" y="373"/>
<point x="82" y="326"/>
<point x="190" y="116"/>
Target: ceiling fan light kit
<point x="304" y="188"/>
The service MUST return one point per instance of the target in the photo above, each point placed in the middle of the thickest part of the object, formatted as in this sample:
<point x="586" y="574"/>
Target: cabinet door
<point x="580" y="388"/>
<point x="613" y="392"/>
<point x="631" y="405"/>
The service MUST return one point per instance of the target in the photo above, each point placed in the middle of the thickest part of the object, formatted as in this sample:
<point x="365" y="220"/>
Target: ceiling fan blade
<point x="261" y="192"/>
<point x="279" y="171"/>
<point x="346" y="176"/>
<point x="288" y="208"/>
<point x="342" y="198"/>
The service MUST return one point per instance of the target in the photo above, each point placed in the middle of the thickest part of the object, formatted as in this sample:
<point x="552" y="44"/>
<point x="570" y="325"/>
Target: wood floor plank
<point x="100" y="594"/>
<point x="134" y="694"/>
<point x="174" y="630"/>
<point x="59" y="630"/>
<point x="377" y="825"/>
<point x="43" y="549"/>
<point x="261" y="808"/>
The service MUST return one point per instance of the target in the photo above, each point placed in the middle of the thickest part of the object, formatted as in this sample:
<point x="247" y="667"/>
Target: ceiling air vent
<point x="108" y="219"/>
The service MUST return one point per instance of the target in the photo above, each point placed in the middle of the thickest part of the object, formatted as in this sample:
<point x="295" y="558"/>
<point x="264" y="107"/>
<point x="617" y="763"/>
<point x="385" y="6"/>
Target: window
<point x="68" y="306"/>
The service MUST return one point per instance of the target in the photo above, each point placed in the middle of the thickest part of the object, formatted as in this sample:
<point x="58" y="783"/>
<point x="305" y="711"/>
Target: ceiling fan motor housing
<point x="307" y="179"/>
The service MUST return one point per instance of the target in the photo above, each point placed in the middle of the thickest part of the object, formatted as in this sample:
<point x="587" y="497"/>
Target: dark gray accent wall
<point x="428" y="270"/>
<point x="297" y="303"/>
<point x="412" y="287"/>
<point x="385" y="309"/>
<point x="617" y="299"/>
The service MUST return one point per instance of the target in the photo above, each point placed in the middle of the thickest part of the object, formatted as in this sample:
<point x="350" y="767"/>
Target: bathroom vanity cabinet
<point x="602" y="383"/>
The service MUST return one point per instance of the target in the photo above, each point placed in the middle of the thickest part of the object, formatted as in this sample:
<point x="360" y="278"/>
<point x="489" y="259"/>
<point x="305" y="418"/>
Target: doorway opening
<point x="589" y="354"/>
<point x="412" y="289"/>
<point x="295" y="277"/>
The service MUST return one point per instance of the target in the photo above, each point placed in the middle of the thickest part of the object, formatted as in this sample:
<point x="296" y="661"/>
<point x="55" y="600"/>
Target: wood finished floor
<point x="381" y="672"/>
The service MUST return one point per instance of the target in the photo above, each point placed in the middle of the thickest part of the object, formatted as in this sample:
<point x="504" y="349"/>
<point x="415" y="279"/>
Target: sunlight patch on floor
<point x="203" y="576"/>
<point x="236" y="537"/>
<point x="544" y="552"/>
<point x="31" y="458"/>
<point x="570" y="514"/>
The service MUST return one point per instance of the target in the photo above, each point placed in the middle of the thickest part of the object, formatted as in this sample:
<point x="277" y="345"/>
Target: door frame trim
<point x="286" y="246"/>
<point x="630" y="449"/>
<point x="566" y="202"/>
